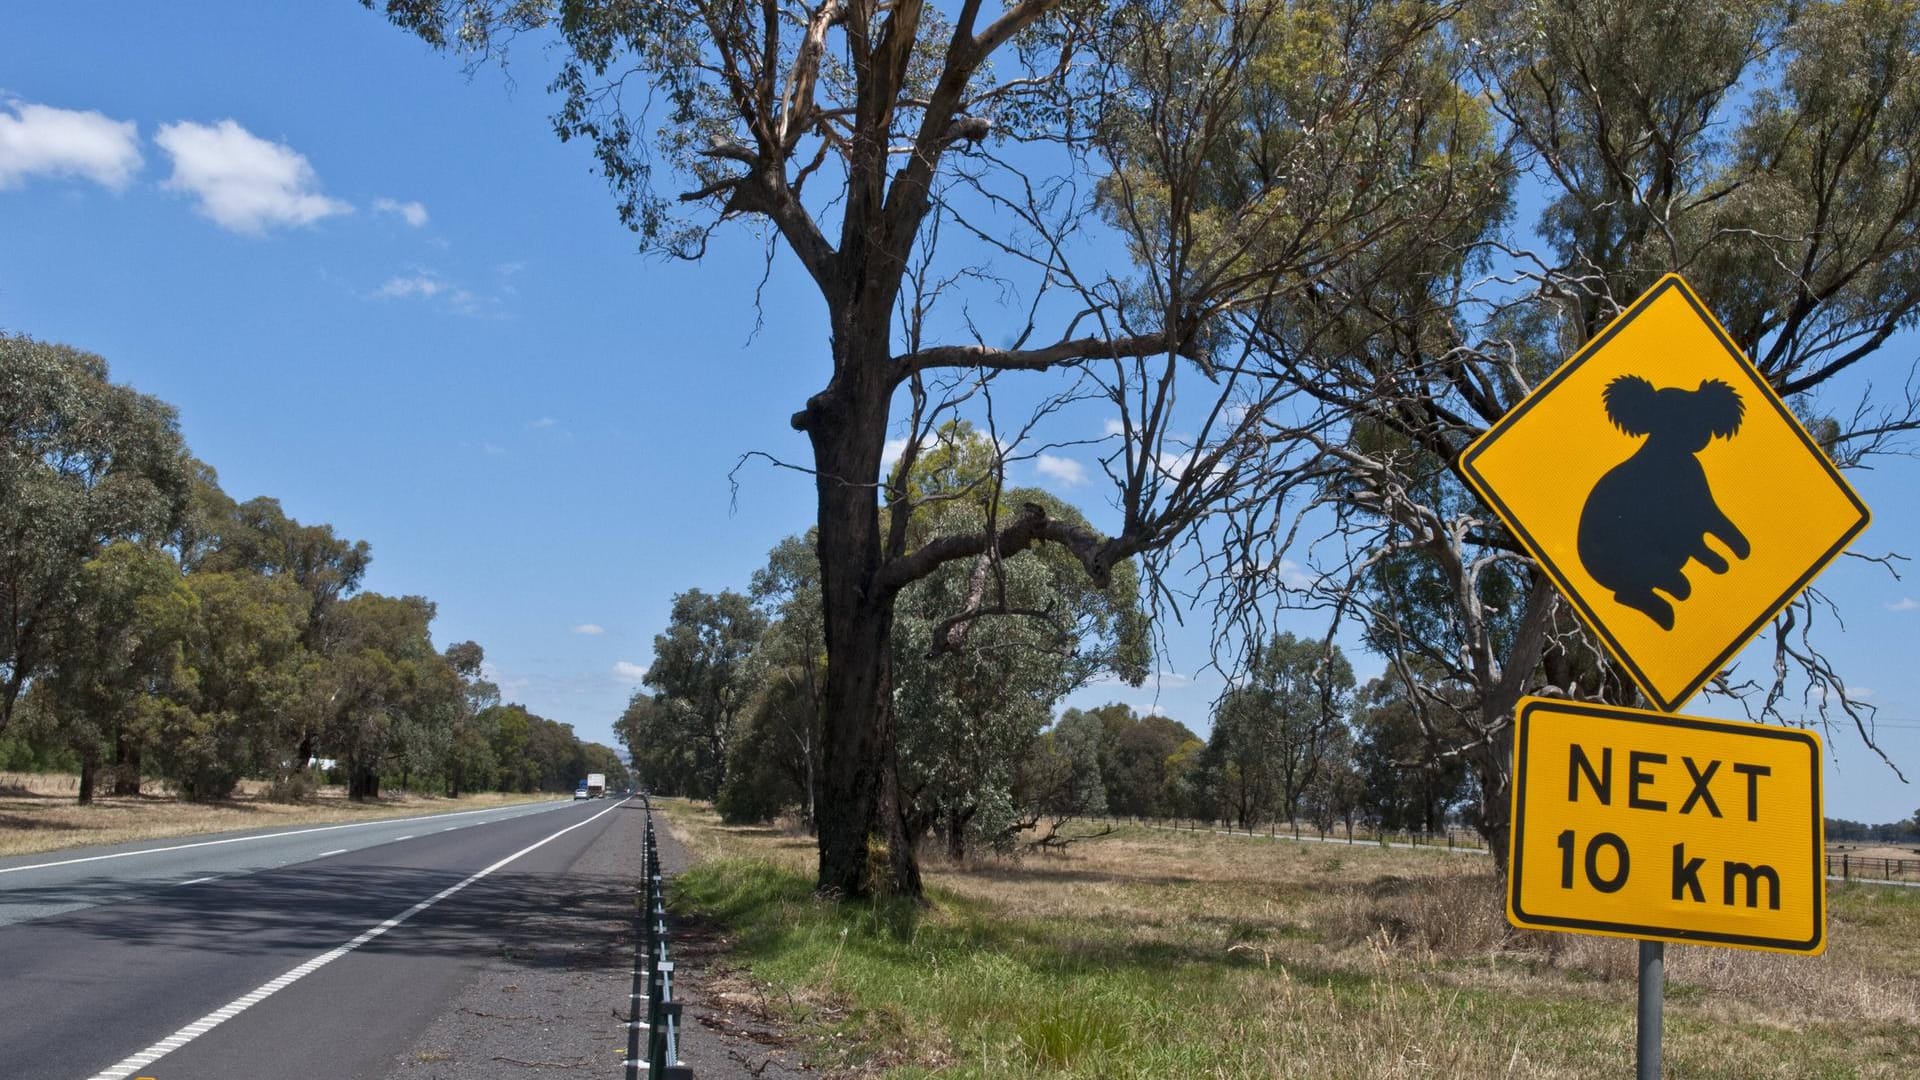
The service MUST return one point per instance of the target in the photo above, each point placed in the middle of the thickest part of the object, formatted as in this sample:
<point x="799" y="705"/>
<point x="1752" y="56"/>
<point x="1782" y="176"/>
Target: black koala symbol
<point x="1654" y="511"/>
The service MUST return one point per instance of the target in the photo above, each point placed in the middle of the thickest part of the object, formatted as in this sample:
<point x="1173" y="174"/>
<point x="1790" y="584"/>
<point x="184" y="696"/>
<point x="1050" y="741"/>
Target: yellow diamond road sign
<point x="1673" y="498"/>
<point x="1630" y="823"/>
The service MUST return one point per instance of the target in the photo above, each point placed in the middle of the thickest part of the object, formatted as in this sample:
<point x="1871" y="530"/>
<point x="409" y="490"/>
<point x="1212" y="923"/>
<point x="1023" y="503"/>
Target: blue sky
<point x="386" y="294"/>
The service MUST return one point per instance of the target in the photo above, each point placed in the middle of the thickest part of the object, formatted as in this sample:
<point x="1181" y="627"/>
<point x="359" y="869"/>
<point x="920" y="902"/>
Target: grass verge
<point x="1149" y="954"/>
<point x="37" y="819"/>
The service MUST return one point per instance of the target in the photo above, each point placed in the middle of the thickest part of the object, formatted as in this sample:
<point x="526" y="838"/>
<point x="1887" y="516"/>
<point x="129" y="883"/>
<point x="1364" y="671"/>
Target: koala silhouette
<point x="1652" y="512"/>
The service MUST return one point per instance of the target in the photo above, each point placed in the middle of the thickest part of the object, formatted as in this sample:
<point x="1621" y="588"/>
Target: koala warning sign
<point x="1674" y="499"/>
<point x="1629" y="823"/>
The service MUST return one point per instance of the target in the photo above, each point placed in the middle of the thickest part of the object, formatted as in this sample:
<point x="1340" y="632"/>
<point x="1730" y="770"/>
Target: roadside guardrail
<point x="653" y="1018"/>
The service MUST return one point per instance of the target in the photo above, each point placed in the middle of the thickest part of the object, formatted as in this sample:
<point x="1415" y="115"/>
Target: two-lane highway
<point x="309" y="952"/>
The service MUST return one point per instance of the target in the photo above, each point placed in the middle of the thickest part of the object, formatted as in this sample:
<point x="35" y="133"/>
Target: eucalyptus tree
<point x="384" y="681"/>
<point x="225" y="717"/>
<point x="894" y="149"/>
<point x="705" y="671"/>
<point x="83" y="462"/>
<point x="1273" y="730"/>
<point x="118" y="660"/>
<point x="1767" y="149"/>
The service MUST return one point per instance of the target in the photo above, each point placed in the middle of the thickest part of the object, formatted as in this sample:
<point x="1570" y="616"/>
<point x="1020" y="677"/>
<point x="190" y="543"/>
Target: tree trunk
<point x="89" y="768"/>
<point x="1493" y="768"/>
<point x="957" y="833"/>
<point x="362" y="782"/>
<point x="126" y="766"/>
<point x="864" y="846"/>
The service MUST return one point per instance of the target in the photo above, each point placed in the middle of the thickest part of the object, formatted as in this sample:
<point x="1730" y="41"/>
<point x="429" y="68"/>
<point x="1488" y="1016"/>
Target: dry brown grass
<point x="38" y="812"/>
<point x="1233" y="957"/>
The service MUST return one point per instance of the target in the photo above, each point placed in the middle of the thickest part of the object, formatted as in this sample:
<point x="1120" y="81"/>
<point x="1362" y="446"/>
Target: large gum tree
<point x="938" y="172"/>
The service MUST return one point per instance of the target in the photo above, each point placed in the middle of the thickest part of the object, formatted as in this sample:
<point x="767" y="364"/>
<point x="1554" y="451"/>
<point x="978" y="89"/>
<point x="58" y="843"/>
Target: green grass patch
<point x="1210" y="959"/>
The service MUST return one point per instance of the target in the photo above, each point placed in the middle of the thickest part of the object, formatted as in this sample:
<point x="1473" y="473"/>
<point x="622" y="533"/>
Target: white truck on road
<point x="596" y="785"/>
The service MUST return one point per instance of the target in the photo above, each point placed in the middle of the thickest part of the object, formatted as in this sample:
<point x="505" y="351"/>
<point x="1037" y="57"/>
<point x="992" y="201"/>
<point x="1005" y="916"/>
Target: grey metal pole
<point x="1653" y="994"/>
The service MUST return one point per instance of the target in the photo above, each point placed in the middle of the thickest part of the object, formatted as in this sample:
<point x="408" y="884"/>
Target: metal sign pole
<point x="1653" y="993"/>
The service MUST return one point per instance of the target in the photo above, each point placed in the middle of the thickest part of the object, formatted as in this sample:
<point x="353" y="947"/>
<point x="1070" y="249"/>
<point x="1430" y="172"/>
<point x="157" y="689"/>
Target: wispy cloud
<point x="412" y="212"/>
<point x="40" y="140"/>
<point x="590" y="629"/>
<point x="1905" y="603"/>
<point x="407" y="286"/>
<point x="1114" y="426"/>
<point x="1064" y="469"/>
<point x="628" y="672"/>
<point x="543" y="422"/>
<point x="244" y="183"/>
<point x="890" y="453"/>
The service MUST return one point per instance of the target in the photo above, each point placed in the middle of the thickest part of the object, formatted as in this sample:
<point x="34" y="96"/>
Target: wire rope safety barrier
<point x="654" y="1017"/>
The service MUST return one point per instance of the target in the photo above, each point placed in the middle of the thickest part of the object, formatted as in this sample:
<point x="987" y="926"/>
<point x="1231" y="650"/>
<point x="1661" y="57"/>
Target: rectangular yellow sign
<point x="1671" y="828"/>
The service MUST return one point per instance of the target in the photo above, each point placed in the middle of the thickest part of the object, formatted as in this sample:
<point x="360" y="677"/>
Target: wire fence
<point x="1844" y="866"/>
<point x="653" y="1017"/>
<point x="1457" y="839"/>
<point x="1848" y="866"/>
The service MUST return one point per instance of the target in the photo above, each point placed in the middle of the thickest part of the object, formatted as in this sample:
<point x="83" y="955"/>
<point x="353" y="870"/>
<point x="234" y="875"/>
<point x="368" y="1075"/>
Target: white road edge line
<point x="266" y="990"/>
<point x="264" y="836"/>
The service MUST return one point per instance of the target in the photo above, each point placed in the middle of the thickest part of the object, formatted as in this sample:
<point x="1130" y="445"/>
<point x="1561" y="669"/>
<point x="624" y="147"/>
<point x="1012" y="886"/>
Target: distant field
<point x="1155" y="954"/>
<point x="38" y="813"/>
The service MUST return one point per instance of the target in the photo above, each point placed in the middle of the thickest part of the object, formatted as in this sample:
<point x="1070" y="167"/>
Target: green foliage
<point x="83" y="462"/>
<point x="1139" y="760"/>
<point x="703" y="668"/>
<point x="1273" y="733"/>
<point x="1409" y="782"/>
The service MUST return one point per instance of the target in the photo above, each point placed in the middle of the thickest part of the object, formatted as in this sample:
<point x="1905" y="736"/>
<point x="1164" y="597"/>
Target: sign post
<point x="1653" y="999"/>
<point x="1678" y="505"/>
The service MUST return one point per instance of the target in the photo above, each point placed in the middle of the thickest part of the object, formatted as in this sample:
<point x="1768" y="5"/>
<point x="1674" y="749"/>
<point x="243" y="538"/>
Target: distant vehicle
<point x="596" y="785"/>
<point x="581" y="791"/>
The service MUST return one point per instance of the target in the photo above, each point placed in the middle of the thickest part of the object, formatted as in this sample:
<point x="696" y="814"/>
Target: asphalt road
<point x="309" y="953"/>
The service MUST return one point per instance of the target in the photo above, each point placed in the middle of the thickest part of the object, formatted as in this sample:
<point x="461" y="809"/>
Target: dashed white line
<point x="247" y="1001"/>
<point x="201" y="880"/>
<point x="331" y="854"/>
<point x="397" y="839"/>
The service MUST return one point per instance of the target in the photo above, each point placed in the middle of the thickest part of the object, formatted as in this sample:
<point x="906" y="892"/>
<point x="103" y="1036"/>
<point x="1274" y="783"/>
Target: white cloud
<point x="507" y="683"/>
<point x="590" y="629"/>
<point x="1114" y="426"/>
<point x="412" y="212"/>
<point x="1295" y="575"/>
<point x="40" y="140"/>
<point x="891" y="453"/>
<point x="420" y="285"/>
<point x="243" y="182"/>
<point x="629" y="672"/>
<point x="543" y="422"/>
<point x="1905" y="603"/>
<point x="1064" y="469"/>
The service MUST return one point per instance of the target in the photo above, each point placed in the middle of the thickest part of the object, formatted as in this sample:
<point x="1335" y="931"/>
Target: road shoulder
<point x="552" y="998"/>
